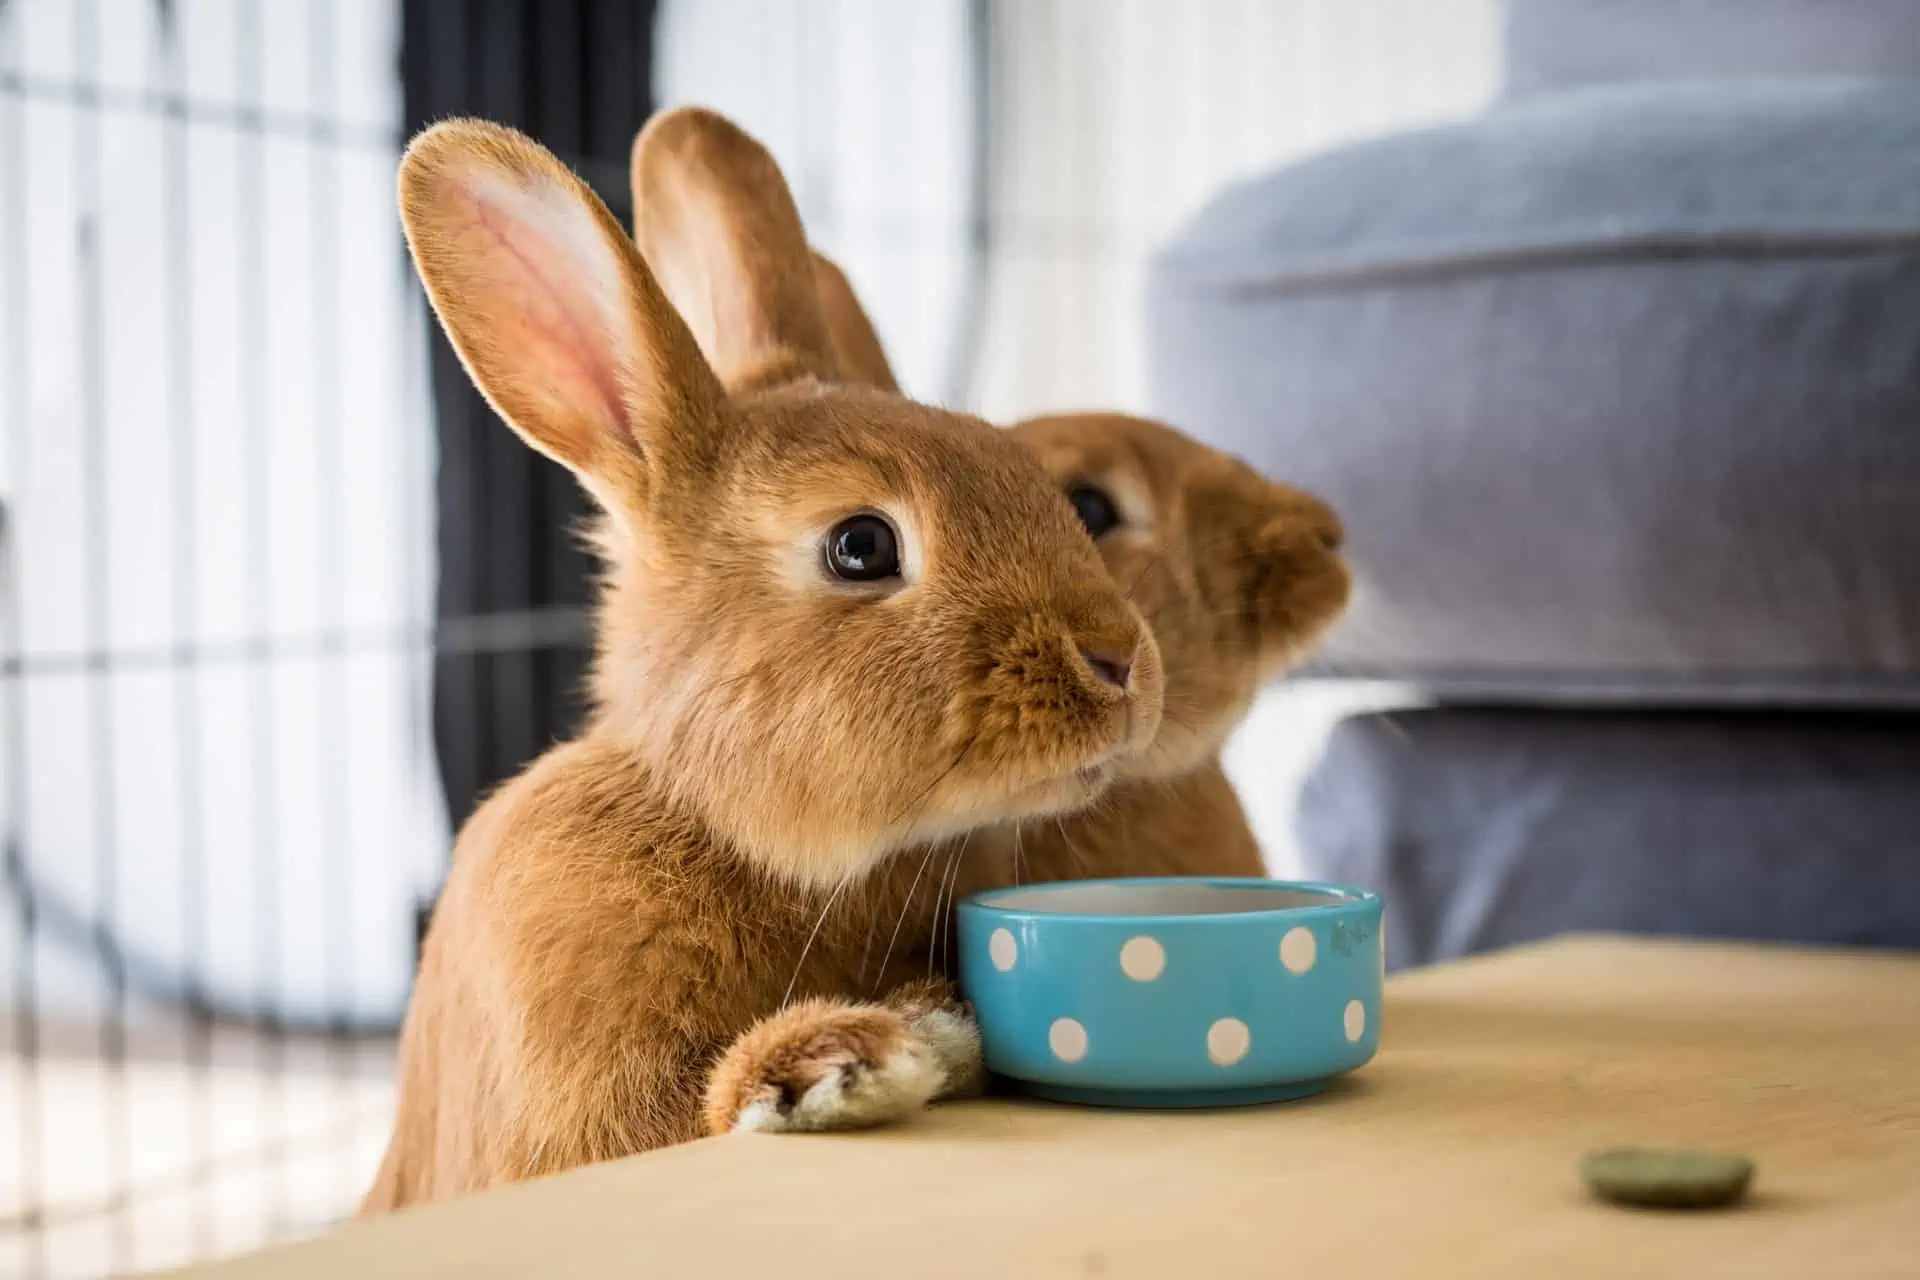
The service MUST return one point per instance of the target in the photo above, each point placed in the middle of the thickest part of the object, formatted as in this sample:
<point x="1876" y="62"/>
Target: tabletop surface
<point x="1453" y="1153"/>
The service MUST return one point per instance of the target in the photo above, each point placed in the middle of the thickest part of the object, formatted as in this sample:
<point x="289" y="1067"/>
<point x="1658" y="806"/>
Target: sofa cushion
<point x="1618" y="391"/>
<point x="1555" y="45"/>
<point x="1485" y="828"/>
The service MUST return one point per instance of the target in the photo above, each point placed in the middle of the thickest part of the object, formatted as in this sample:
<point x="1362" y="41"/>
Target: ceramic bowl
<point x="1174" y="992"/>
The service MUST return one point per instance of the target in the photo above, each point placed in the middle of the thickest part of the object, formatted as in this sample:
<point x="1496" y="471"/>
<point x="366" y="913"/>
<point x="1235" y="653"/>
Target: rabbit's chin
<point x="1067" y="792"/>
<point x="1178" y="751"/>
<point x="1064" y="794"/>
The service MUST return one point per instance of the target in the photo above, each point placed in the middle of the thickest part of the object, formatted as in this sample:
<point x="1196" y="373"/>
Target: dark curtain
<point x="512" y="651"/>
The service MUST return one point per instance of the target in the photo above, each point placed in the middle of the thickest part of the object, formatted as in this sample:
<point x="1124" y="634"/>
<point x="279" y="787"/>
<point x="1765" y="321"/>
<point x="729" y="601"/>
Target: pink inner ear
<point x="557" y="300"/>
<point x="740" y="334"/>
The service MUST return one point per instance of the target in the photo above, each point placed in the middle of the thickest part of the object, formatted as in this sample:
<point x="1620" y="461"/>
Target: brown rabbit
<point x="1236" y="576"/>
<point x="834" y="624"/>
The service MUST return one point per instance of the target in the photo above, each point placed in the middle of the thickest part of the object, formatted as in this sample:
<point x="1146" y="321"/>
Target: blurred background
<point x="279" y="599"/>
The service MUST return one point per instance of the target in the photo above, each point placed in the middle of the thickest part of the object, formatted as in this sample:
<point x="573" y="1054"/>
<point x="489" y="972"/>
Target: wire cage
<point x="212" y="660"/>
<point x="279" y="599"/>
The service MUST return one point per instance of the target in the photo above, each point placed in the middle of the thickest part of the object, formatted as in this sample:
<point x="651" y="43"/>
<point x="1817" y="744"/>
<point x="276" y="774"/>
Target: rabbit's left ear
<point x="856" y="346"/>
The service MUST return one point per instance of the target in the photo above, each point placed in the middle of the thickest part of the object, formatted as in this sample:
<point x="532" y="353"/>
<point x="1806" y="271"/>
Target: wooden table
<point x="1453" y="1154"/>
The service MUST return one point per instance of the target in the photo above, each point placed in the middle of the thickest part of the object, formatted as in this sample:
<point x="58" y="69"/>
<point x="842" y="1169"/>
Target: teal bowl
<point x="1174" y="992"/>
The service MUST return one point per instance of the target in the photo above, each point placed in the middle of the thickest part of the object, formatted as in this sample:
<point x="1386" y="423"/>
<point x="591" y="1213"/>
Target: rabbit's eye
<point x="1094" y="507"/>
<point x="863" y="548"/>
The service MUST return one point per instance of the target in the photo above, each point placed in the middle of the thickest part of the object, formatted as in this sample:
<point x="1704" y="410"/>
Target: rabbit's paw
<point x="938" y="1017"/>
<point x="822" y="1066"/>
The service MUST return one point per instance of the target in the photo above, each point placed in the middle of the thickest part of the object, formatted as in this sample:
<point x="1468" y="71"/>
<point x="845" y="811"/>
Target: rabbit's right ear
<point x="856" y="345"/>
<point x="558" y="321"/>
<point x="716" y="222"/>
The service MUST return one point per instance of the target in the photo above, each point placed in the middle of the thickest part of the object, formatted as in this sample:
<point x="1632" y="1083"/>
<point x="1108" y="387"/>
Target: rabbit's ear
<point x="552" y="311"/>
<point x="716" y="222"/>
<point x="856" y="345"/>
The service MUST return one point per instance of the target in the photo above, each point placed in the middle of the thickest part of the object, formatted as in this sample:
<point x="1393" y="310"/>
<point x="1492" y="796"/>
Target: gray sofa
<point x="1618" y="387"/>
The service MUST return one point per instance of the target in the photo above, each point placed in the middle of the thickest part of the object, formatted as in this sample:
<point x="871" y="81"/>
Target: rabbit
<point x="1236" y="576"/>
<point x="834" y="625"/>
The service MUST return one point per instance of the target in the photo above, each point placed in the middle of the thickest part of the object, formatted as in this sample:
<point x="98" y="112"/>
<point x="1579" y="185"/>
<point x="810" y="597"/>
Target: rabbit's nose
<point x="1110" y="666"/>
<point x="1304" y="520"/>
<point x="1333" y="535"/>
<point x="1323" y="524"/>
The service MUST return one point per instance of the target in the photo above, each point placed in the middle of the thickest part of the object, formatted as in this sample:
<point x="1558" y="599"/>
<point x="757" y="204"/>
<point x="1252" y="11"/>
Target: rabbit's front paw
<point x="937" y="1016"/>
<point x="821" y="1066"/>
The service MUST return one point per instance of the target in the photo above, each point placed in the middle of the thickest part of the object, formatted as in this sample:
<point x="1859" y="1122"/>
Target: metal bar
<point x="97" y="570"/>
<point x="336" y="796"/>
<point x="256" y="411"/>
<point x="962" y="382"/>
<point x="412" y="479"/>
<point x="175" y="102"/>
<point x="435" y="72"/>
<point x="612" y="96"/>
<point x="509" y="630"/>
<point x="476" y="418"/>
<point x="26" y="986"/>
<point x="186" y="688"/>
<point x="502" y="62"/>
<point x="558" y="566"/>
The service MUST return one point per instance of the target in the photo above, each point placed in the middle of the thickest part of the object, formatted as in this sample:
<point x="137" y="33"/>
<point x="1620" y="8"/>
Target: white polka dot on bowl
<point x="1228" y="1041"/>
<point x="1298" y="949"/>
<point x="1143" y="958"/>
<point x="1356" y="1020"/>
<point x="1067" y="1039"/>
<point x="1002" y="949"/>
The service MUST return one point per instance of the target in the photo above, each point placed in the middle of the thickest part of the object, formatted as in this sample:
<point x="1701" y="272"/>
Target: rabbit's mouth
<point x="1047" y="797"/>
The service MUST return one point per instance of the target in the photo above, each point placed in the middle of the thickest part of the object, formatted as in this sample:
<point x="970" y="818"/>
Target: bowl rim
<point x="1342" y="897"/>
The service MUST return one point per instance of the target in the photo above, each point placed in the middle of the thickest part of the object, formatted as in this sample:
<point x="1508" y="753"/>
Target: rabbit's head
<point x="835" y="621"/>
<point x="1237" y="575"/>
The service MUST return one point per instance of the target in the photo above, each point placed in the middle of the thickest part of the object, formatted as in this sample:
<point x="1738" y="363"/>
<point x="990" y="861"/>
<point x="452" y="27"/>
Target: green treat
<point x="1667" y="1179"/>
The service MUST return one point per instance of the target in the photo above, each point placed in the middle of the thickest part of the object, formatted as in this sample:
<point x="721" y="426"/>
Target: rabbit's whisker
<point x="923" y="799"/>
<point x="1079" y="858"/>
<point x="906" y="904"/>
<point x="942" y="914"/>
<point x="799" y="964"/>
<point x="1154" y="560"/>
<point x="920" y="801"/>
